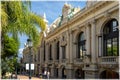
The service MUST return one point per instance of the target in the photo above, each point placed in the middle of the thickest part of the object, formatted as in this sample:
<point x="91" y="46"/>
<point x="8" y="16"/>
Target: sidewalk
<point x="21" y="77"/>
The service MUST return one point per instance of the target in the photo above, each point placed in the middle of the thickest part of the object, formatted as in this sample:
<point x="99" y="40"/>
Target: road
<point x="21" y="77"/>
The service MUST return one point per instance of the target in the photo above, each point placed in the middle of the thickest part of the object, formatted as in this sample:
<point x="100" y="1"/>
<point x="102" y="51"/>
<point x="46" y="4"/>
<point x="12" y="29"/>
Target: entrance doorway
<point x="63" y="73"/>
<point x="79" y="74"/>
<point x="108" y="74"/>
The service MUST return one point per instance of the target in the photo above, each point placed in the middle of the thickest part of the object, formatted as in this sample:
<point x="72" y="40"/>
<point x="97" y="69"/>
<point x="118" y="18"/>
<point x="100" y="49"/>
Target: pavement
<point x="23" y="77"/>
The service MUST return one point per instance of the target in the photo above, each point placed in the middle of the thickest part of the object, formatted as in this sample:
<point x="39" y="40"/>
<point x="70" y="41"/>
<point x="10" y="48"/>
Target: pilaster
<point x="69" y="71"/>
<point x="88" y="39"/>
<point x="93" y="41"/>
<point x="47" y="51"/>
<point x="91" y="71"/>
<point x="71" y="47"/>
<point x="59" y="73"/>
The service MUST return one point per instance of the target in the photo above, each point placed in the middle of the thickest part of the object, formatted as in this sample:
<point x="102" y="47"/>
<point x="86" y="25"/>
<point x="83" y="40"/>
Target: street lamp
<point x="29" y="43"/>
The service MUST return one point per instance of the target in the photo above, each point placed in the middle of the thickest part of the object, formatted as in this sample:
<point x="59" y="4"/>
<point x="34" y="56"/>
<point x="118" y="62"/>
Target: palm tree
<point x="17" y="19"/>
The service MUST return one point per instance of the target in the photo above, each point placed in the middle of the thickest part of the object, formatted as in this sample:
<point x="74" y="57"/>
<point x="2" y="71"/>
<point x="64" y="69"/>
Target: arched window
<point x="58" y="50"/>
<point x="81" y="45"/>
<point x="110" y="38"/>
<point x="50" y="56"/>
<point x="44" y="52"/>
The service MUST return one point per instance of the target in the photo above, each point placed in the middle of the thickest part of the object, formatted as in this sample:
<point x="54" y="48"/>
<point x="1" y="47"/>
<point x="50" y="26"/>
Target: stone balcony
<point x="64" y="60"/>
<point x="50" y="61"/>
<point x="78" y="61"/>
<point x="109" y="61"/>
<point x="56" y="61"/>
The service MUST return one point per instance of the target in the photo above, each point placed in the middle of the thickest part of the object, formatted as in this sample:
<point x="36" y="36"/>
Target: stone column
<point x="52" y="68"/>
<point x="93" y="41"/>
<point x="99" y="45"/>
<point x="88" y="40"/>
<point x="60" y="50"/>
<point x="68" y="46"/>
<point x="55" y="46"/>
<point x="93" y="72"/>
<point x="71" y="47"/>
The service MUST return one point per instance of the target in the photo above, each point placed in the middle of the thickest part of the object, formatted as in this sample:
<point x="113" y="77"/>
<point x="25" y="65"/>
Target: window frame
<point x="110" y="36"/>
<point x="81" y="43"/>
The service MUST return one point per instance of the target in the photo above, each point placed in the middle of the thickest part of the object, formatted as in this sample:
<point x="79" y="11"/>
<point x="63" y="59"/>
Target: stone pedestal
<point x="69" y="74"/>
<point x="91" y="72"/>
<point x="52" y="72"/>
<point x="69" y="71"/>
<point x="59" y="73"/>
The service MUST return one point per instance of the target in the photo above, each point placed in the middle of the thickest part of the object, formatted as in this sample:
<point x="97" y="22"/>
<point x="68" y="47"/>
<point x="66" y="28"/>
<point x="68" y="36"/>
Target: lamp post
<point x="29" y="43"/>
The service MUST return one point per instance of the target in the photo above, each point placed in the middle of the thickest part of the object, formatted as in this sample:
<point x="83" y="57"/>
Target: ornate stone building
<point x="82" y="43"/>
<point x="26" y="59"/>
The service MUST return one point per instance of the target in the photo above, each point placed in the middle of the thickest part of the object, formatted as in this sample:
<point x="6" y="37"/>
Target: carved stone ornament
<point x="64" y="43"/>
<point x="86" y="60"/>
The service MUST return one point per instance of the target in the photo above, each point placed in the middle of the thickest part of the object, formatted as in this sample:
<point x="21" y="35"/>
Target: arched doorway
<point x="109" y="74"/>
<point x="63" y="73"/>
<point x="79" y="74"/>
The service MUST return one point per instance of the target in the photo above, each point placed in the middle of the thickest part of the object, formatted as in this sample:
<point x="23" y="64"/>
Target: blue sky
<point x="53" y="9"/>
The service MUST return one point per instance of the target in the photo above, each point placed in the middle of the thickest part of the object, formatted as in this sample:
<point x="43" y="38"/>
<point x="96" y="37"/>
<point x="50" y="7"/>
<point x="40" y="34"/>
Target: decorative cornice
<point x="80" y="15"/>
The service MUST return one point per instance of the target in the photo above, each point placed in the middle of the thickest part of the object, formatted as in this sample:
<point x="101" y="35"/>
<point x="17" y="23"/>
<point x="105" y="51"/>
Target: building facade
<point x="82" y="43"/>
<point x="26" y="59"/>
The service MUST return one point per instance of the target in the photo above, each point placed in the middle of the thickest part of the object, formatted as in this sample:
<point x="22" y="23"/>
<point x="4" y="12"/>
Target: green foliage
<point x="10" y="47"/>
<point x="18" y="19"/>
<point x="8" y="65"/>
<point x="8" y="55"/>
<point x="110" y="53"/>
<point x="115" y="50"/>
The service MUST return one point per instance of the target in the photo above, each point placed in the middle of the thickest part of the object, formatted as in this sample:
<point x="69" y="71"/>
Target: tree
<point x="10" y="47"/>
<point x="16" y="18"/>
<point x="9" y="55"/>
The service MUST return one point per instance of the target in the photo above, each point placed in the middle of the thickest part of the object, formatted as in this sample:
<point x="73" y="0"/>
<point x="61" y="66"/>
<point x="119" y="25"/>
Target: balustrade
<point x="109" y="60"/>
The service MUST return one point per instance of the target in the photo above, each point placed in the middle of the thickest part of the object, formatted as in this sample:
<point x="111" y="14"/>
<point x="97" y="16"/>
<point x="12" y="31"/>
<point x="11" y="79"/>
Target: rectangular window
<point x="109" y="47"/>
<point x="58" y="51"/>
<point x="114" y="43"/>
<point x="50" y="55"/>
<point x="114" y="25"/>
<point x="44" y="52"/>
<point x="63" y="52"/>
<point x="105" y="48"/>
<point x="81" y="52"/>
